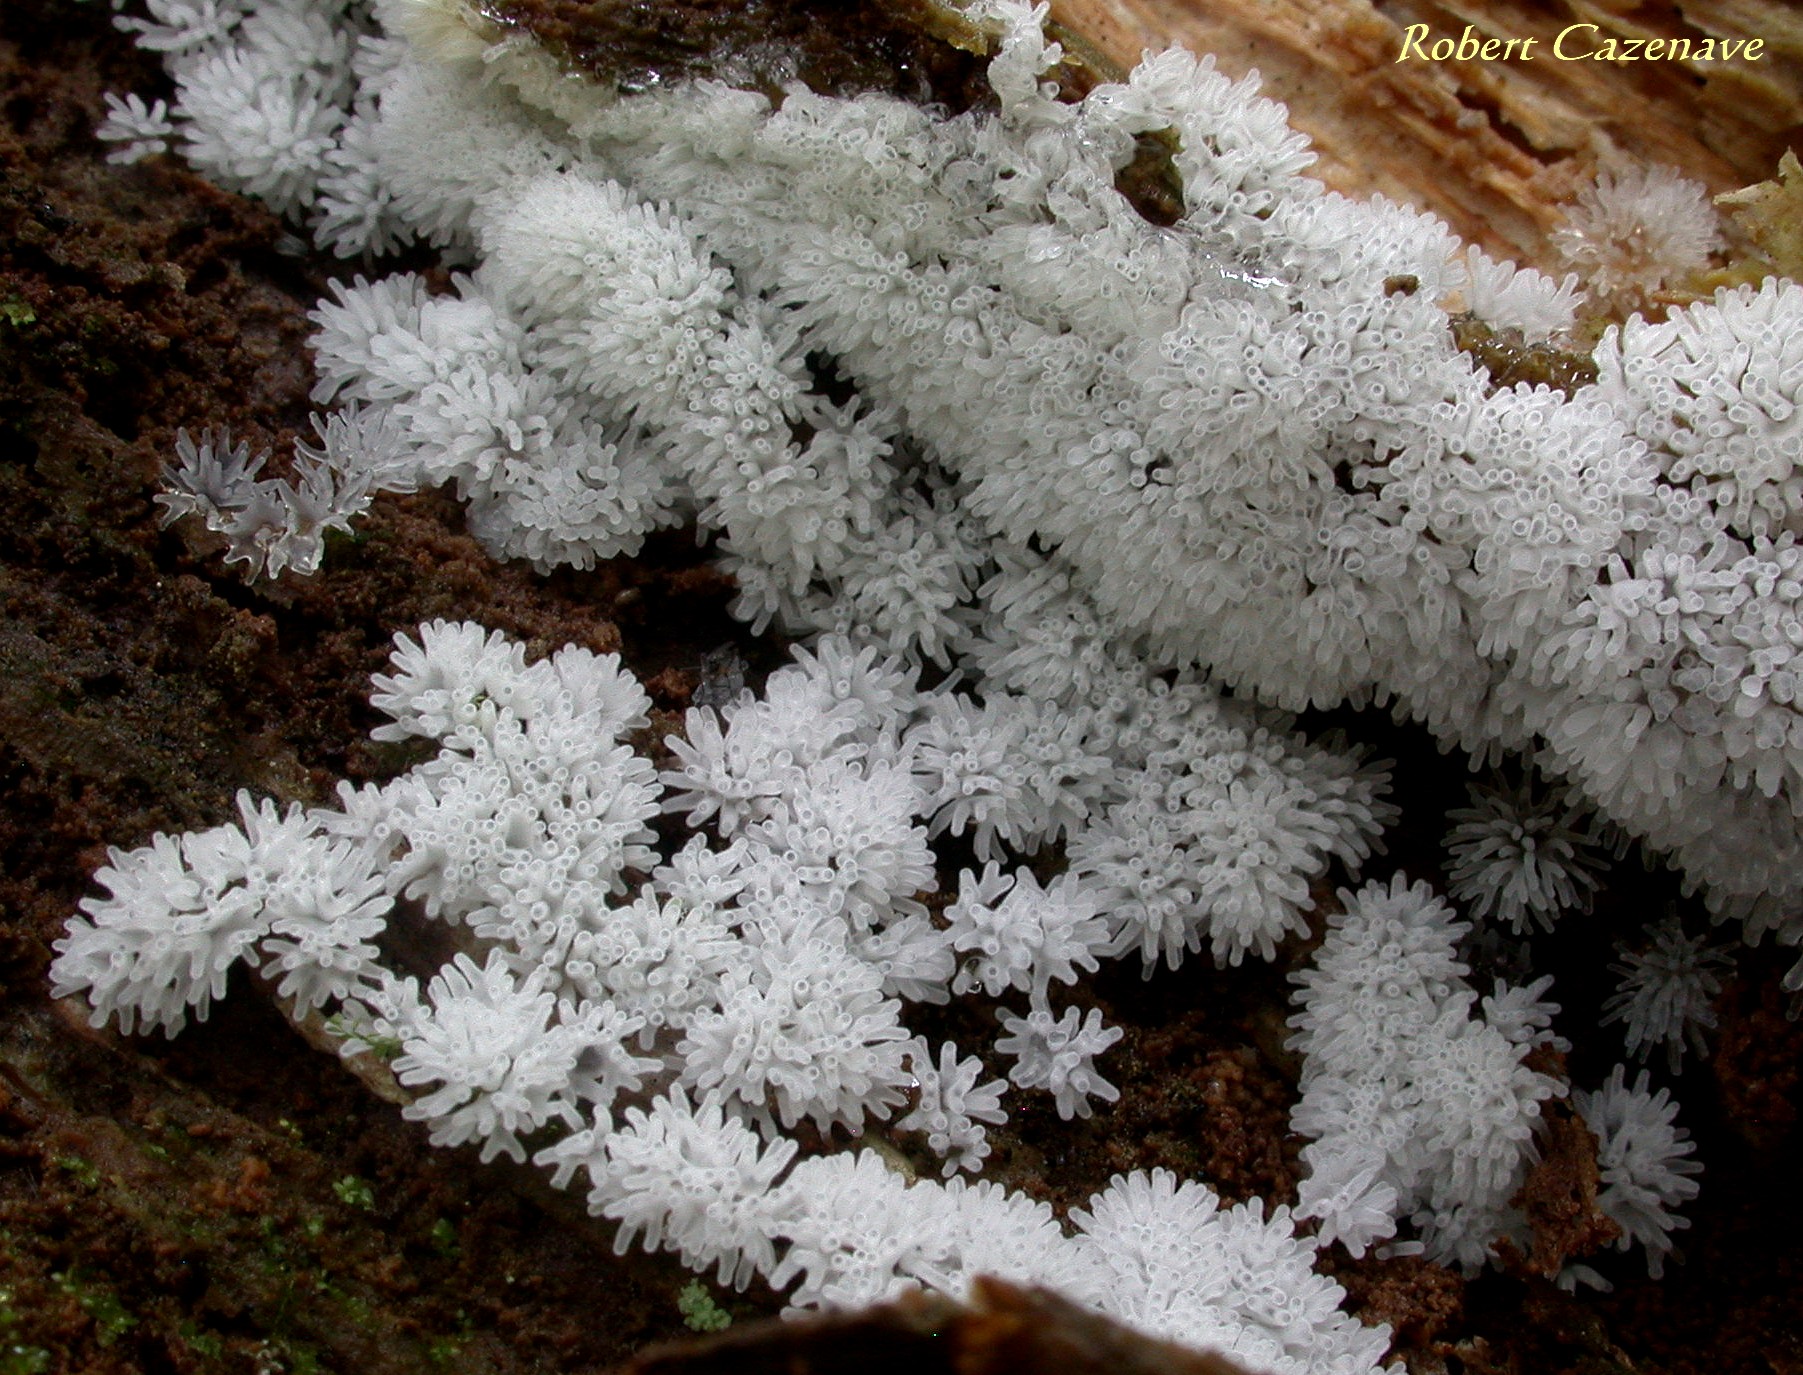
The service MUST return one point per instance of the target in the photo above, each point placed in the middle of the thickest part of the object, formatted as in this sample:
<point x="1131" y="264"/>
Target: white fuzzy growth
<point x="1523" y="855"/>
<point x="690" y="1179"/>
<point x="179" y="914"/>
<point x="183" y="910"/>
<point x="1226" y="1279"/>
<point x="507" y="1057"/>
<point x="1667" y="992"/>
<point x="261" y="94"/>
<point x="628" y="305"/>
<point x="1417" y="1106"/>
<point x="800" y="1030"/>
<point x="1241" y="446"/>
<point x="1058" y="1054"/>
<point x="531" y="814"/>
<point x="548" y="475"/>
<point x="1163" y="1257"/>
<point x="737" y="775"/>
<point x="1016" y="934"/>
<point x="1642" y="1155"/>
<point x="660" y="961"/>
<point x="755" y="971"/>
<point x="443" y="681"/>
<point x="181" y="26"/>
<point x="850" y="827"/>
<point x="1676" y="674"/>
<point x="951" y="1106"/>
<point x="1081" y="452"/>
<point x="857" y="1232"/>
<point x="1523" y="1015"/>
<point x="273" y="525"/>
<point x="855" y="1235"/>
<point x="1631" y="231"/>
<point x="142" y="129"/>
<point x="1716" y="391"/>
<point x="1215" y="838"/>
<point x="1350" y="1194"/>
<point x="1506" y="296"/>
<point x="1012" y="771"/>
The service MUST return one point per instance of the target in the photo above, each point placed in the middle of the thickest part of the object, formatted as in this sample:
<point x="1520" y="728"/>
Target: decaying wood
<point x="1004" y="1329"/>
<point x="1492" y="147"/>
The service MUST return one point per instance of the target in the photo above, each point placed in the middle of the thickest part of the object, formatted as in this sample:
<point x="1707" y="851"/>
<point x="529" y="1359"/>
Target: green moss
<point x="699" y="1311"/>
<point x="355" y="1193"/>
<point x="204" y="1344"/>
<point x="444" y="1239"/>
<point x="353" y="1307"/>
<point x="446" y="1349"/>
<point x="274" y="1245"/>
<point x="1770" y="217"/>
<point x="1510" y="360"/>
<point x="16" y="1358"/>
<point x="83" y="1172"/>
<point x="100" y="1303"/>
<point x="443" y="1350"/>
<point x="384" y="1048"/>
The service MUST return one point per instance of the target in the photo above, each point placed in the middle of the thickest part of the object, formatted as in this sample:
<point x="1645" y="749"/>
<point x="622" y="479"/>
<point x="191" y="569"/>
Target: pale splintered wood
<point x="1493" y="147"/>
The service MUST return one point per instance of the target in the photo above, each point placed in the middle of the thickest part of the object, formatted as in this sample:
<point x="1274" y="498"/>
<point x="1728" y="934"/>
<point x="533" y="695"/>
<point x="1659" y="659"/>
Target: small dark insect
<point x="722" y="677"/>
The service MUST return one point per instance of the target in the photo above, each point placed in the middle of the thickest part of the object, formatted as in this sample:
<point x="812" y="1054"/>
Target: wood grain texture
<point x="1492" y="147"/>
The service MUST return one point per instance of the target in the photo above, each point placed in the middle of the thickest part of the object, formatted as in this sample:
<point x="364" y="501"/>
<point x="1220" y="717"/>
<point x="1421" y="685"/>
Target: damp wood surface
<point x="1494" y="148"/>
